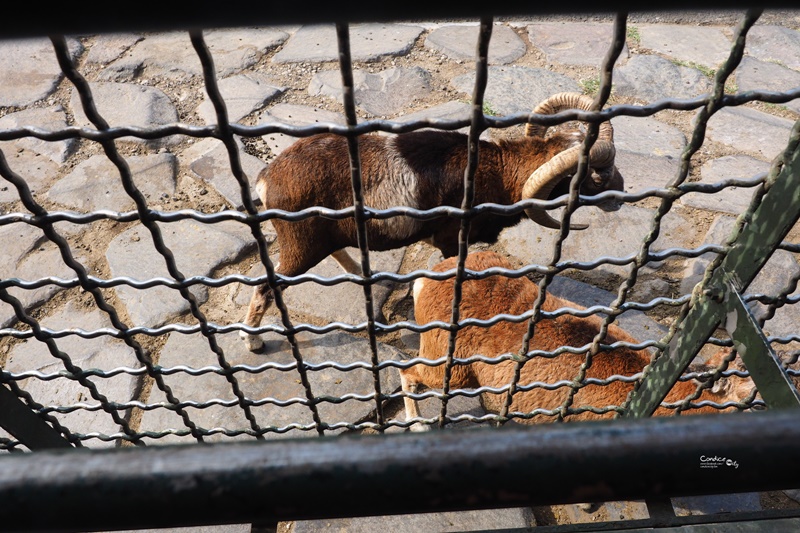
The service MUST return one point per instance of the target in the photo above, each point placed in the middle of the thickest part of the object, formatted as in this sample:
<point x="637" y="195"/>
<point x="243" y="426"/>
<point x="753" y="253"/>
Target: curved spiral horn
<point x="542" y="182"/>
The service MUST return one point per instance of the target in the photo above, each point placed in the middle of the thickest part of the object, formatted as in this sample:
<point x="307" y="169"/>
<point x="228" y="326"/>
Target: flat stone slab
<point x="37" y="170"/>
<point x="457" y="405"/>
<point x="96" y="184"/>
<point x="381" y="94"/>
<point x="52" y="118"/>
<point x="243" y="94"/>
<point x="573" y="43"/>
<point x="368" y="42"/>
<point x="653" y="78"/>
<point x="753" y="75"/>
<point x="172" y="55"/>
<point x="645" y="172"/>
<point x="648" y="151"/>
<point x="294" y="115"/>
<point x="129" y="104"/>
<point x="444" y="522"/>
<point x="751" y="132"/>
<point x="459" y="42"/>
<point x="515" y="89"/>
<point x="647" y="136"/>
<point x="704" y="45"/>
<point x="447" y="111"/>
<point x="107" y="47"/>
<point x="771" y="280"/>
<point x="343" y="302"/>
<point x="716" y="504"/>
<point x="209" y="161"/>
<point x="695" y="268"/>
<point x="621" y="234"/>
<point x="775" y="43"/>
<point x="267" y="385"/>
<point x="639" y="325"/>
<point x="732" y="200"/>
<point x="29" y="255"/>
<point x="102" y="353"/>
<point x="199" y="249"/>
<point x="36" y="160"/>
<point x="29" y="70"/>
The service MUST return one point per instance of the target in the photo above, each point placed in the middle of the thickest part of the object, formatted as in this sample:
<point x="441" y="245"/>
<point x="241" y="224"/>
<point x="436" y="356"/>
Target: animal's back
<point x="485" y="298"/>
<point x="312" y="171"/>
<point x="393" y="168"/>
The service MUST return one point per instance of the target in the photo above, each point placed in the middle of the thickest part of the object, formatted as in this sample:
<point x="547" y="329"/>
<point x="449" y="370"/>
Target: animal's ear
<point x="721" y="386"/>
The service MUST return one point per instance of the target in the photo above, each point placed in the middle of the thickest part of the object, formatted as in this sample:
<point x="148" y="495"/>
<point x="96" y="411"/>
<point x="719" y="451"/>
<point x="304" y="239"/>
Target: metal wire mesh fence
<point x="42" y="355"/>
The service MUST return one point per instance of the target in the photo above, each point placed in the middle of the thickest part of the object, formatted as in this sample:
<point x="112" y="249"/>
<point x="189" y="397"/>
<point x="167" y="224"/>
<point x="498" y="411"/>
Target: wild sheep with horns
<point x="421" y="170"/>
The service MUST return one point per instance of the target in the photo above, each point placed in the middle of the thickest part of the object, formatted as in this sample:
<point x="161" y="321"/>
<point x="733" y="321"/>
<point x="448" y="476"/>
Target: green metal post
<point x="18" y="419"/>
<point x="777" y="213"/>
<point x="759" y="358"/>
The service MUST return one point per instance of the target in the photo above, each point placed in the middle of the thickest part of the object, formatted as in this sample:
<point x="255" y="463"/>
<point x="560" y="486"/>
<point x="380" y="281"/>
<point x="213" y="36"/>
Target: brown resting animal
<point x="485" y="298"/>
<point x="421" y="170"/>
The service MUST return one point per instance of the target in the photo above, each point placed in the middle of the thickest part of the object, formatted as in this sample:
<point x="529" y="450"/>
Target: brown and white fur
<point x="421" y="170"/>
<point x="485" y="298"/>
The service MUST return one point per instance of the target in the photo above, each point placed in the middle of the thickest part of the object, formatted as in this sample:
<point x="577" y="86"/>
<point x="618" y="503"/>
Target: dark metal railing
<point x="283" y="480"/>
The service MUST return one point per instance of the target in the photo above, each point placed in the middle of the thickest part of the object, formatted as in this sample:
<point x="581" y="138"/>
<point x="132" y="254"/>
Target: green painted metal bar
<point x="761" y="361"/>
<point x="18" y="419"/>
<point x="760" y="235"/>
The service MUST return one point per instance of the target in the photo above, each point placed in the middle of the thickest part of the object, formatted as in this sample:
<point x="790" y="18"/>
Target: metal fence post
<point x="761" y="231"/>
<point x="18" y="419"/>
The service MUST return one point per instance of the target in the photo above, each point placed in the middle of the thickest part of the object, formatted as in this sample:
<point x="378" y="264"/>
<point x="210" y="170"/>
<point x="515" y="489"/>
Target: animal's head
<point x="732" y="388"/>
<point x="552" y="179"/>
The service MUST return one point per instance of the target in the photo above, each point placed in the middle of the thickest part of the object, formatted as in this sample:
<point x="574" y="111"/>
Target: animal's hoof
<point x="590" y="507"/>
<point x="419" y="428"/>
<point x="253" y="342"/>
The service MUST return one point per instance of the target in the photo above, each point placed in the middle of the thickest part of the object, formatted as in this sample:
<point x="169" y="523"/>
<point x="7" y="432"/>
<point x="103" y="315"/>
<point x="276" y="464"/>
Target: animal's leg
<point x="410" y="385"/>
<point x="347" y="263"/>
<point x="295" y="260"/>
<point x="446" y="240"/>
<point x="259" y="303"/>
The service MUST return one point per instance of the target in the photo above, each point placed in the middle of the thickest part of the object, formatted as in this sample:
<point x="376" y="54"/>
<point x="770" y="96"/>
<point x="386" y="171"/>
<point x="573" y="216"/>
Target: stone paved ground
<point x="403" y="71"/>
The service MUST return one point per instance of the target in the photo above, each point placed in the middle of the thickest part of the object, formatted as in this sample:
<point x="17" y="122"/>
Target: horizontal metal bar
<point x="392" y="126"/>
<point x="453" y="470"/>
<point x="95" y="17"/>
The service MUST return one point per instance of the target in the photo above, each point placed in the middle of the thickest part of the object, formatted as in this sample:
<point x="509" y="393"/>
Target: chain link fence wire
<point x="138" y="337"/>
